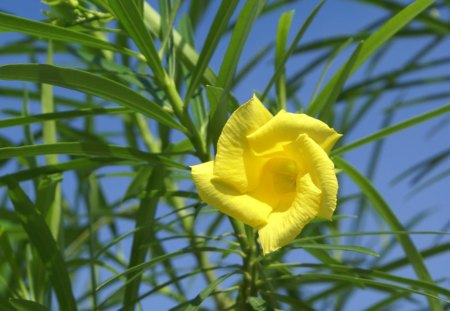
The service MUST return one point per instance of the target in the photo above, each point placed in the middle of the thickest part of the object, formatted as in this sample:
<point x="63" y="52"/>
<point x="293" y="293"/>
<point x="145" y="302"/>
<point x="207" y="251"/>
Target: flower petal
<point x="285" y="127"/>
<point x="235" y="164"/>
<point x="285" y="224"/>
<point x="319" y="165"/>
<point x="242" y="207"/>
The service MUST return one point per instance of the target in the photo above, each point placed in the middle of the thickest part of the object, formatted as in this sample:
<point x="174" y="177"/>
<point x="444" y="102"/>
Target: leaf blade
<point x="388" y="215"/>
<point x="89" y="83"/>
<point x="11" y="23"/>
<point x="41" y="237"/>
<point x="373" y="43"/>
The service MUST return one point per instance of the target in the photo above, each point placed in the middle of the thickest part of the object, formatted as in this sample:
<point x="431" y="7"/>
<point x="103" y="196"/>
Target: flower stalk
<point x="248" y="288"/>
<point x="178" y="108"/>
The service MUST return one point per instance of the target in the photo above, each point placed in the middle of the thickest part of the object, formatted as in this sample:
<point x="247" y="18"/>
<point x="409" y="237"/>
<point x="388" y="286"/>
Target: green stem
<point x="248" y="287"/>
<point x="182" y="115"/>
<point x="49" y="136"/>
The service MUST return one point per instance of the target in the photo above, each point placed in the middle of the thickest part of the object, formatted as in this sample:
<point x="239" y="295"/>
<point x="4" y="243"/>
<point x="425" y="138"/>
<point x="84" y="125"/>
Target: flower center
<point x="284" y="173"/>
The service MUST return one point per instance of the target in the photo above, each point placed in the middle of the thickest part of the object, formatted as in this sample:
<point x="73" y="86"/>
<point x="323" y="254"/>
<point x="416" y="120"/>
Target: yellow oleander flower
<point x="271" y="172"/>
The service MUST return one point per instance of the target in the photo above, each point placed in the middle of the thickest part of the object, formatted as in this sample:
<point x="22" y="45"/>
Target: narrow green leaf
<point x="392" y="129"/>
<point x="71" y="114"/>
<point x="218" y="112"/>
<point x="145" y="218"/>
<point x="241" y="31"/>
<point x="86" y="164"/>
<point x="152" y="261"/>
<point x="214" y="94"/>
<point x="281" y="63"/>
<point x="130" y="18"/>
<point x="371" y="273"/>
<point x="259" y="304"/>
<point x="325" y="100"/>
<point x="194" y="304"/>
<point x="140" y="6"/>
<point x="219" y="25"/>
<point x="35" y="95"/>
<point x="434" y="23"/>
<point x="89" y="83"/>
<point x="157" y="288"/>
<point x="349" y="248"/>
<point x="251" y="64"/>
<point x="11" y="23"/>
<point x="42" y="239"/>
<point x="389" y="217"/>
<point x="367" y="233"/>
<point x="185" y="51"/>
<point x="197" y="103"/>
<point x="27" y="305"/>
<point x="90" y="150"/>
<point x="244" y="23"/>
<point x="401" y="262"/>
<point x="53" y="206"/>
<point x="280" y="49"/>
<point x="295" y="302"/>
<point x="374" y="42"/>
<point x="4" y="302"/>
<point x="11" y="259"/>
<point x="363" y="282"/>
<point x="330" y="60"/>
<point x="384" y="303"/>
<point x="139" y="182"/>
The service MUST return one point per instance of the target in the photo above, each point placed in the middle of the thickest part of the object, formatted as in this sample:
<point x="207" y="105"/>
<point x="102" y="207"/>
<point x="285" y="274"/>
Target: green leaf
<point x="230" y="61"/>
<point x="38" y="118"/>
<point x="349" y="248"/>
<point x="27" y="305"/>
<point x="363" y="282"/>
<point x="154" y="260"/>
<point x="259" y="304"/>
<point x="11" y="259"/>
<point x="284" y="58"/>
<point x="218" y="111"/>
<point x="10" y="23"/>
<point x="88" y="149"/>
<point x="219" y="25"/>
<point x="392" y="129"/>
<point x="389" y="217"/>
<point x="280" y="49"/>
<point x="214" y="94"/>
<point x="251" y="64"/>
<point x="194" y="304"/>
<point x="369" y="273"/>
<point x="325" y="100"/>
<point x="89" y="83"/>
<point x="185" y="51"/>
<point x="330" y="60"/>
<point x="434" y="23"/>
<point x="78" y="164"/>
<point x="42" y="239"/>
<point x="127" y="12"/>
<point x="145" y="219"/>
<point x="373" y="273"/>
<point x="373" y="43"/>
<point x="197" y="103"/>
<point x="401" y="262"/>
<point x="244" y="23"/>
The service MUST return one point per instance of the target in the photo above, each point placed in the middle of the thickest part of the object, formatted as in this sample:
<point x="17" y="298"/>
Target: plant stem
<point x="49" y="136"/>
<point x="182" y="115"/>
<point x="248" y="287"/>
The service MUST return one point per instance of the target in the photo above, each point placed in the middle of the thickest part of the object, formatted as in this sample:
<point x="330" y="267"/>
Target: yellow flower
<point x="271" y="172"/>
